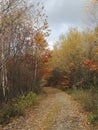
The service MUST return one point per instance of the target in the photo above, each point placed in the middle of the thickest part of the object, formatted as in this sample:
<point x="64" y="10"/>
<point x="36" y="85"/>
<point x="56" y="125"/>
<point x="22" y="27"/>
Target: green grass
<point x="8" y="113"/>
<point x="89" y="101"/>
<point x="51" y="117"/>
<point x="17" y="107"/>
<point x="27" y="101"/>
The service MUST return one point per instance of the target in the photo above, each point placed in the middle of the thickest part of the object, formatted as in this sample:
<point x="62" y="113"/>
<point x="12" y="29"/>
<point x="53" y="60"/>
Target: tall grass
<point x="89" y="100"/>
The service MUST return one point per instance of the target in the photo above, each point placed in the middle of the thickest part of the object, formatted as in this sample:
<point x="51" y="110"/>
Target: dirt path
<point x="58" y="111"/>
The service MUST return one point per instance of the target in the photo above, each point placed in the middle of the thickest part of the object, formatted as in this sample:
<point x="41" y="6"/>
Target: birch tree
<point x="20" y="24"/>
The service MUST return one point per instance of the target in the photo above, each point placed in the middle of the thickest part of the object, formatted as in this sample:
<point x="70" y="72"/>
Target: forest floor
<point x="57" y="111"/>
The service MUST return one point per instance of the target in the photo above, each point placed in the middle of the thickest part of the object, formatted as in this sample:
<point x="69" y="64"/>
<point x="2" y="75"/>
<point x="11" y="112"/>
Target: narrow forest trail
<point x="58" y="111"/>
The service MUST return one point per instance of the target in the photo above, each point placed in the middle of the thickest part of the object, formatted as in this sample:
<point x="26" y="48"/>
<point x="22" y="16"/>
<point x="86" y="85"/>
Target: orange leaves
<point x="94" y="67"/>
<point x="92" y="64"/>
<point x="47" y="72"/>
<point x="87" y="62"/>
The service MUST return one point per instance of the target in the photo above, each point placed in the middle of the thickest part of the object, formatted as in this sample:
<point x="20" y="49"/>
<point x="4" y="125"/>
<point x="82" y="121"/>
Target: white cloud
<point x="63" y="14"/>
<point x="51" y="44"/>
<point x="64" y="11"/>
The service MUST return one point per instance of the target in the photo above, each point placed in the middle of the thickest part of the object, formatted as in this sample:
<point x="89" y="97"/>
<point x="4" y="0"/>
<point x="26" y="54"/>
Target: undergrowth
<point x="17" y="107"/>
<point x="89" y="100"/>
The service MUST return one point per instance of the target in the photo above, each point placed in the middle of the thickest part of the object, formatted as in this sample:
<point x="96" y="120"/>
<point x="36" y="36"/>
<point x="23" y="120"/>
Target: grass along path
<point x="58" y="111"/>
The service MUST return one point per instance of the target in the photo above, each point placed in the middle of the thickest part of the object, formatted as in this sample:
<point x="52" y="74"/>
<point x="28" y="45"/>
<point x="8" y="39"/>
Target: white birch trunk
<point x="3" y="72"/>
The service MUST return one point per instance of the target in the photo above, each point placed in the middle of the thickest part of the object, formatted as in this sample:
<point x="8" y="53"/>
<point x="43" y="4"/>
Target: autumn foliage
<point x="24" y="53"/>
<point x="75" y="57"/>
<point x="91" y="64"/>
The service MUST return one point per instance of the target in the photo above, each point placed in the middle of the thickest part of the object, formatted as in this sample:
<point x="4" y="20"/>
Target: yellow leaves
<point x="72" y="64"/>
<point x="67" y="53"/>
<point x="96" y="53"/>
<point x="40" y="40"/>
<point x="38" y="36"/>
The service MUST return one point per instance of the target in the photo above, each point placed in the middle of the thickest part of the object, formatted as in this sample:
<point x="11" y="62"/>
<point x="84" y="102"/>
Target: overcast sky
<point x="63" y="14"/>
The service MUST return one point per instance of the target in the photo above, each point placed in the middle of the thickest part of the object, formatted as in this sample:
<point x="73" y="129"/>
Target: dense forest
<point x="23" y="49"/>
<point x="26" y="62"/>
<point x="74" y="60"/>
